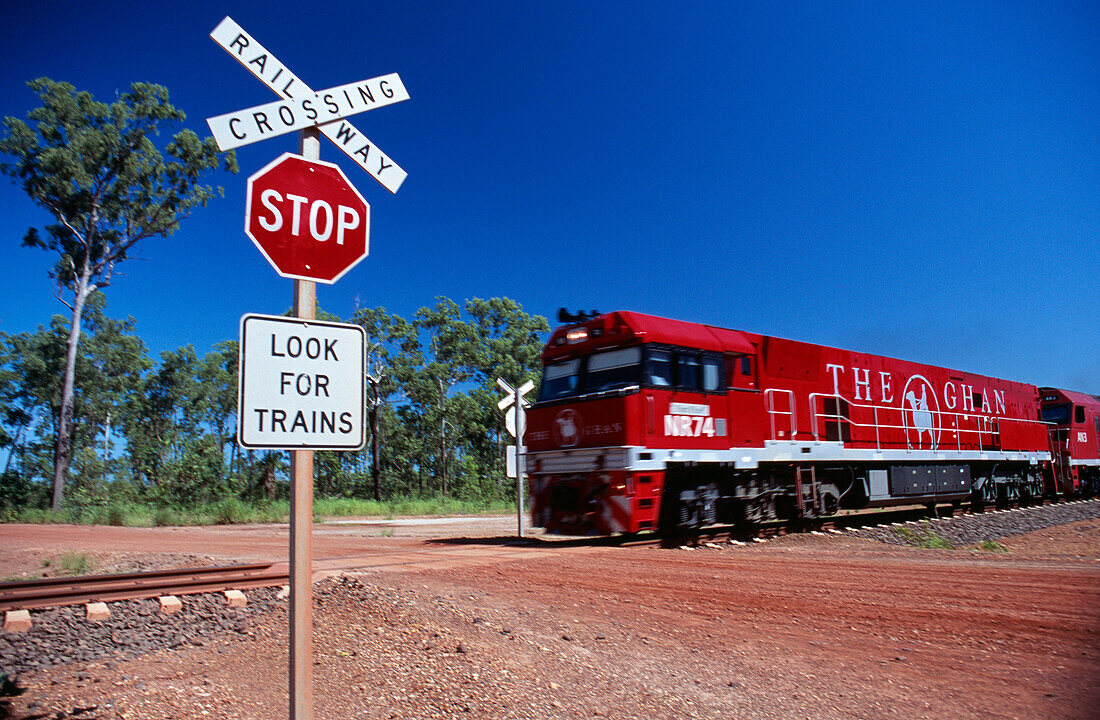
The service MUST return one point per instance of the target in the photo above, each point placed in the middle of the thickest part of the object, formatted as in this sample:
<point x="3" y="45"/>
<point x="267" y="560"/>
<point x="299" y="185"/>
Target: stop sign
<point x="307" y="219"/>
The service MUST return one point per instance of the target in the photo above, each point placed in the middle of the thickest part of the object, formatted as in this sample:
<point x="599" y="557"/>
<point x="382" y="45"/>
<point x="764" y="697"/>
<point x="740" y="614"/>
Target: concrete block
<point x="17" y="621"/>
<point x="169" y="604"/>
<point x="96" y="611"/>
<point x="235" y="598"/>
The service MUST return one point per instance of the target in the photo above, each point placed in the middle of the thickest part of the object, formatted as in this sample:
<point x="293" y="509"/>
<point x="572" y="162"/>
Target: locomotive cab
<point x="1073" y="420"/>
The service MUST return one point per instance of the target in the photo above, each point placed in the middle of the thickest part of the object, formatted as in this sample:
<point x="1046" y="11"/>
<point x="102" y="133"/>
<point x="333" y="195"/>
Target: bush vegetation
<point x="155" y="442"/>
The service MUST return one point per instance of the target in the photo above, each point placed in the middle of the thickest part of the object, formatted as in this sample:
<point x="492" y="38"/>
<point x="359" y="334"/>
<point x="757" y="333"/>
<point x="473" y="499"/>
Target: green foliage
<point x="70" y="563"/>
<point x="991" y="546"/>
<point x="926" y="538"/>
<point x="155" y="441"/>
<point x="97" y="170"/>
<point x="411" y="506"/>
<point x="231" y="510"/>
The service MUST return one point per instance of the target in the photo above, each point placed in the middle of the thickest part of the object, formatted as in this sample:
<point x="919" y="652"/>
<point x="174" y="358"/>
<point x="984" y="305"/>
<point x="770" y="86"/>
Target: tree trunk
<point x="106" y="445"/>
<point x="15" y="447"/>
<point x="63" y="451"/>
<point x="269" y="481"/>
<point x="442" y="437"/>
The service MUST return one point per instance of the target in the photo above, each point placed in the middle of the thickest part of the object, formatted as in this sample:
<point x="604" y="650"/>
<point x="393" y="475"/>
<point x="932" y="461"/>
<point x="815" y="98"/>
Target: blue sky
<point x="919" y="180"/>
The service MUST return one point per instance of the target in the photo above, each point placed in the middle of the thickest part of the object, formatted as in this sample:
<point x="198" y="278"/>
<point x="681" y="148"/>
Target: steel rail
<point x="58" y="591"/>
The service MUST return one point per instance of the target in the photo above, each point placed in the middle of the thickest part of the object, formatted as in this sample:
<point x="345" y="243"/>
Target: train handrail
<point x="958" y="427"/>
<point x="769" y="404"/>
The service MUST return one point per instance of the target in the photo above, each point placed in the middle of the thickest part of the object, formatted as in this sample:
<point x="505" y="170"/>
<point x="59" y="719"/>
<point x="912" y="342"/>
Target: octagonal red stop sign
<point x="307" y="219"/>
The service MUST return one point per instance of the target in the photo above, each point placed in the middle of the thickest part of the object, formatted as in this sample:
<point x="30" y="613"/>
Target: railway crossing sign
<point x="283" y="116"/>
<point x="512" y="410"/>
<point x="513" y="404"/>
<point x="307" y="219"/>
<point x="312" y="225"/>
<point x="297" y="101"/>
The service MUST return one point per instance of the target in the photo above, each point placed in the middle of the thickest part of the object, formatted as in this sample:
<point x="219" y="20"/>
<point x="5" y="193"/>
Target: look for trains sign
<point x="307" y="219"/>
<point x="301" y="384"/>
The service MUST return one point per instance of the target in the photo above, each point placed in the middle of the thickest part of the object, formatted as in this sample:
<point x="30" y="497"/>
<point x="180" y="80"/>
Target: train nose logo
<point x="920" y="414"/>
<point x="567" y="428"/>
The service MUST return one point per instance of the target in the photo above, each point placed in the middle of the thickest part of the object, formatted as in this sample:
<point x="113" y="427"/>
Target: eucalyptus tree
<point x="217" y="406"/>
<point x="96" y="168"/>
<point x="392" y="352"/>
<point x="452" y="353"/>
<point x="110" y="371"/>
<point x="509" y="345"/>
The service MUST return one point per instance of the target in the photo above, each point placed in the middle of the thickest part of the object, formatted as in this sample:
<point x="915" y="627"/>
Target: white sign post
<point x="301" y="384"/>
<point x="515" y="422"/>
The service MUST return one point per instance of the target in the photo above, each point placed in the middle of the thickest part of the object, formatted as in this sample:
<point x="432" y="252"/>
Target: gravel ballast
<point x="62" y="635"/>
<point x="966" y="530"/>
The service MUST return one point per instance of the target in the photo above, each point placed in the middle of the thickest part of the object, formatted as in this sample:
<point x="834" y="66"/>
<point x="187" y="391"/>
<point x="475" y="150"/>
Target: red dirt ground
<point x="800" y="627"/>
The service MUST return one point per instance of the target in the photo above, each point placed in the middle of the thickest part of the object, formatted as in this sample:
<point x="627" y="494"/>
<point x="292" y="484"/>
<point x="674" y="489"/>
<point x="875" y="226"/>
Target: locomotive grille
<point x="566" y="498"/>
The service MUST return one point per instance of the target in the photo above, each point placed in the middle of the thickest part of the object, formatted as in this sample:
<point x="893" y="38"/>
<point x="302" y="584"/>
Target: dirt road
<point x="801" y="627"/>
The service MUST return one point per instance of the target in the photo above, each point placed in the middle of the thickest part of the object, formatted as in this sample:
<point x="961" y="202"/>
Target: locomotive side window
<point x="688" y="367"/>
<point x="658" y="368"/>
<point x="560" y="380"/>
<point x="1079" y="414"/>
<point x="741" y="373"/>
<point x="712" y="373"/>
<point x="614" y="369"/>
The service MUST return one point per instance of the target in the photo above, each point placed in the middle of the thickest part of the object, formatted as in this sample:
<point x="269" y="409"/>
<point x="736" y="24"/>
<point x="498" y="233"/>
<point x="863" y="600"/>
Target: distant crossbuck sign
<point x="301" y="107"/>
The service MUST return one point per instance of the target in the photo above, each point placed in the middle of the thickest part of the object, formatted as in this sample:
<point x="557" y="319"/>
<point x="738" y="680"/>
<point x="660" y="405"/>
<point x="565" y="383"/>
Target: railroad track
<point x="850" y="521"/>
<point x="54" y="592"/>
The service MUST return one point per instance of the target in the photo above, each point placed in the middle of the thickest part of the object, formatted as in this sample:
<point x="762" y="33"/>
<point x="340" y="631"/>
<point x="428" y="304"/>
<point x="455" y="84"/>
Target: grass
<point x="233" y="510"/>
<point x="990" y="546"/>
<point x="924" y="538"/>
<point x="70" y="563"/>
<point x="356" y="507"/>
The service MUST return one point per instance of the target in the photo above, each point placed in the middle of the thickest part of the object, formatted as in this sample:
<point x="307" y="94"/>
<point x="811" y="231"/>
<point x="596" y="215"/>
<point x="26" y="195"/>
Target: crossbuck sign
<point x="300" y="107"/>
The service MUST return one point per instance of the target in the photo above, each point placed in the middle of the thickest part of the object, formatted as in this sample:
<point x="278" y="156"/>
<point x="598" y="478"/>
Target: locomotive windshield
<point x="611" y="370"/>
<point x="560" y="380"/>
<point x="1057" y="414"/>
<point x="653" y="367"/>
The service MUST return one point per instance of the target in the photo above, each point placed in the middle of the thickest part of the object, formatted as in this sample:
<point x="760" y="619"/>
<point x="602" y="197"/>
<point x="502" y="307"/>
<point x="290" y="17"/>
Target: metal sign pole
<point x="521" y="421"/>
<point x="301" y="515"/>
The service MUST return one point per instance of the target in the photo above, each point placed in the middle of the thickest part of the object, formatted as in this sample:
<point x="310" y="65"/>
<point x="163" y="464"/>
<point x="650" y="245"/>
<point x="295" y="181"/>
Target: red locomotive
<point x="645" y="423"/>
<point x="1074" y="439"/>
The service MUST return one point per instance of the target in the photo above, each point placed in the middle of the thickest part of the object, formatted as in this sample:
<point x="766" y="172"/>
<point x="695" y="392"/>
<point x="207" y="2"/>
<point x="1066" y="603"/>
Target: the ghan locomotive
<point x="645" y="423"/>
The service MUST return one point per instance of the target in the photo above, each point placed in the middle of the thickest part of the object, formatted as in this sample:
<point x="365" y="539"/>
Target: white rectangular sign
<point x="283" y="116"/>
<point x="300" y="384"/>
<point x="266" y="67"/>
<point x="511" y="463"/>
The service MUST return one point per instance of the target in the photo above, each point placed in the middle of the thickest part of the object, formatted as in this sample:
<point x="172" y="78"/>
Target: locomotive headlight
<point x="576" y="336"/>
